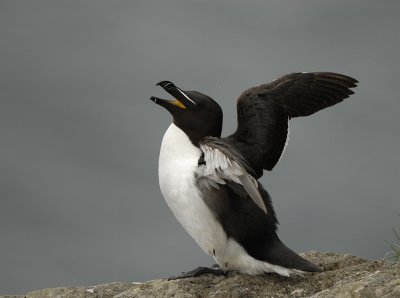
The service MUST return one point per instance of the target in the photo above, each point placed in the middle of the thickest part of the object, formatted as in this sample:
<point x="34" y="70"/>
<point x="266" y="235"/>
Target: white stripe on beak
<point x="186" y="96"/>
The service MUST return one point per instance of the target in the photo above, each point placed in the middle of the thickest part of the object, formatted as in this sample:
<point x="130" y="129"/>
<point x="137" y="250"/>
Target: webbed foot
<point x="214" y="270"/>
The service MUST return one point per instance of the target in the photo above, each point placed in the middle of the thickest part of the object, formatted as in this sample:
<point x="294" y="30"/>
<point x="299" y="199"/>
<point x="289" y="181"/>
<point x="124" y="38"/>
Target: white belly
<point x="178" y="160"/>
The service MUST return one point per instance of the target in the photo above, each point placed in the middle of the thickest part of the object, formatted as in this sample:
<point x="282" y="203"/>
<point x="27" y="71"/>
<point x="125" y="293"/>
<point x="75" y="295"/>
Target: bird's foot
<point x="214" y="270"/>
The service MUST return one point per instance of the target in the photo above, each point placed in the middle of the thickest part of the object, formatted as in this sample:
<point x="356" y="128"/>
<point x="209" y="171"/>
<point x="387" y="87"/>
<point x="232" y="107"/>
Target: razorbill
<point x="211" y="183"/>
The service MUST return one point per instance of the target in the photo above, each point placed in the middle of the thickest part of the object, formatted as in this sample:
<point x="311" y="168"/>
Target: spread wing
<point x="221" y="165"/>
<point x="265" y="110"/>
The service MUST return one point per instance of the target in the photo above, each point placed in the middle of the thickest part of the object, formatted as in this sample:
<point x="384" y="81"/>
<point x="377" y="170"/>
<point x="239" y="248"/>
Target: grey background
<point x="80" y="202"/>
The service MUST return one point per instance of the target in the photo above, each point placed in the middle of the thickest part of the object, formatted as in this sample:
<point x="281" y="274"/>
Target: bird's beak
<point x="165" y="102"/>
<point x="182" y="100"/>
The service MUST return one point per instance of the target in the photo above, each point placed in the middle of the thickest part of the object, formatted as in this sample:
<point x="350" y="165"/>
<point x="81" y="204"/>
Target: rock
<point x="343" y="276"/>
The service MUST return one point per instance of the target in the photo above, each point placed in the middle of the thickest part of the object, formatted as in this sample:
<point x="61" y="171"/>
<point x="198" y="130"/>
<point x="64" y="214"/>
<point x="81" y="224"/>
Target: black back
<point x="251" y="227"/>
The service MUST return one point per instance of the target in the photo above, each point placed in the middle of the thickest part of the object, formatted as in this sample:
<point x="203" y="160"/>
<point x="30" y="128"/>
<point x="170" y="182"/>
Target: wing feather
<point x="223" y="164"/>
<point x="263" y="112"/>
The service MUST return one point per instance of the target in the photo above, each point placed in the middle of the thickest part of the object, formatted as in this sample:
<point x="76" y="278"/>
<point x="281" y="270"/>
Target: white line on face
<point x="186" y="96"/>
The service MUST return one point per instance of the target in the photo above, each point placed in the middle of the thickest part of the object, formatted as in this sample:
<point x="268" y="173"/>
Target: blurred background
<point x="79" y="194"/>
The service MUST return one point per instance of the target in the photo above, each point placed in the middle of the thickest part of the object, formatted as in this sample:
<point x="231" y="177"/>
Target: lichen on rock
<point x="343" y="276"/>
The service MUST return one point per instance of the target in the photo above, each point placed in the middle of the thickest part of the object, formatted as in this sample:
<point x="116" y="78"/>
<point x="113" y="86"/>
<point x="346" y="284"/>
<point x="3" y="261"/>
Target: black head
<point x="195" y="113"/>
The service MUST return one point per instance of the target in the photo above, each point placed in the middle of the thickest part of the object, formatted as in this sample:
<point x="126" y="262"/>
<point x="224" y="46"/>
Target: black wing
<point x="264" y="111"/>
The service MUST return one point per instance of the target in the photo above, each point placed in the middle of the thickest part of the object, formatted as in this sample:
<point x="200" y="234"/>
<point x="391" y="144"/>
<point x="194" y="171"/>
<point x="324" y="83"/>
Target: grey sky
<point x="80" y="202"/>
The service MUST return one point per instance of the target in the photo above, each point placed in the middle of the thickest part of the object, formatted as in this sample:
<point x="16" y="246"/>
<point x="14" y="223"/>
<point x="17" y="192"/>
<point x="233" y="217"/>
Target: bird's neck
<point x="195" y="134"/>
<point x="177" y="145"/>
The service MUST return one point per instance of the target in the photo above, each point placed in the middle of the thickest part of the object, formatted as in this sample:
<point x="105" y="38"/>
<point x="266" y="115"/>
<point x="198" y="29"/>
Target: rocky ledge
<point x="343" y="276"/>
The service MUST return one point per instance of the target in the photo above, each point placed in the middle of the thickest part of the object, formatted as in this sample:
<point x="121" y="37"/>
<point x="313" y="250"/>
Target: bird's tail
<point x="280" y="254"/>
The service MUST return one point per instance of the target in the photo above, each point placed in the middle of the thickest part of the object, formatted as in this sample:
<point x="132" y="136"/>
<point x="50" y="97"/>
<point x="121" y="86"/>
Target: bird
<point x="211" y="183"/>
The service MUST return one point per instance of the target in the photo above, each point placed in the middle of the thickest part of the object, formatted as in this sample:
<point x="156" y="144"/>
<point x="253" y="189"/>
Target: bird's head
<point x="197" y="114"/>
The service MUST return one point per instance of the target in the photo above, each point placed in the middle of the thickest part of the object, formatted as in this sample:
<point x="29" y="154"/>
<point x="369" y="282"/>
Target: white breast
<point x="177" y="163"/>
